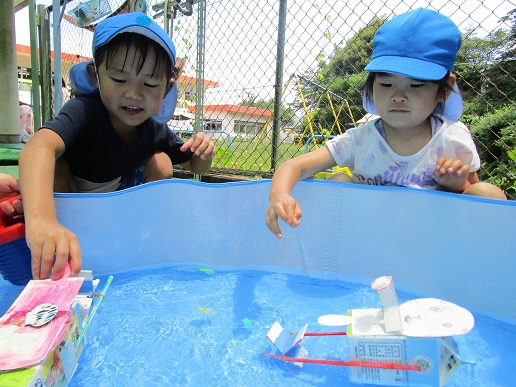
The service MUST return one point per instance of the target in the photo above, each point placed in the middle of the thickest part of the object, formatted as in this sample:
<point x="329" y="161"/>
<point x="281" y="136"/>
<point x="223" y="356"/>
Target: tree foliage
<point x="341" y="77"/>
<point x="484" y="67"/>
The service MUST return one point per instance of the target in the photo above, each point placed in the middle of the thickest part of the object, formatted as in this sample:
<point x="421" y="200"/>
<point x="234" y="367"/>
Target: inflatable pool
<point x="434" y="244"/>
<point x="454" y="247"/>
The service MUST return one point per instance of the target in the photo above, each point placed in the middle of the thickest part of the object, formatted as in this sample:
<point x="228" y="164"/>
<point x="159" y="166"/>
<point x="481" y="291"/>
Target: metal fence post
<point x="35" y="94"/>
<point x="278" y="87"/>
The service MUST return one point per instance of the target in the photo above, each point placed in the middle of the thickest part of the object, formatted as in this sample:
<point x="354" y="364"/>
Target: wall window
<point x="212" y="125"/>
<point x="248" y="127"/>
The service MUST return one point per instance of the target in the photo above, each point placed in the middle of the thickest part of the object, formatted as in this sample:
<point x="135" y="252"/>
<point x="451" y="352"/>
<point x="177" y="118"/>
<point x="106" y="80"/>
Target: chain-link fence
<point x="279" y="78"/>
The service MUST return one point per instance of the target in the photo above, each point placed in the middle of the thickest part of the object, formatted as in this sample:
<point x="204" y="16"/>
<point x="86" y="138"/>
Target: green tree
<point x="485" y="69"/>
<point x="355" y="54"/>
<point x="495" y="135"/>
<point x="341" y="76"/>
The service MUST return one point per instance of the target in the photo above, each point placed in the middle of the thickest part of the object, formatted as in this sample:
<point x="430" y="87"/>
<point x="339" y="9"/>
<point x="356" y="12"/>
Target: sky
<point x="241" y="36"/>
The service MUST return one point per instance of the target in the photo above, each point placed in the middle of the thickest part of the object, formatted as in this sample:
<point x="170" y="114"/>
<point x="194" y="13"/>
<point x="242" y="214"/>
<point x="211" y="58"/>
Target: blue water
<point x="149" y="331"/>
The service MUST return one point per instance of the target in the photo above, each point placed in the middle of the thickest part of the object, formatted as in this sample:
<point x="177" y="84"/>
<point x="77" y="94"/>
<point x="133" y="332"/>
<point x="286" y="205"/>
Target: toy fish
<point x="208" y="311"/>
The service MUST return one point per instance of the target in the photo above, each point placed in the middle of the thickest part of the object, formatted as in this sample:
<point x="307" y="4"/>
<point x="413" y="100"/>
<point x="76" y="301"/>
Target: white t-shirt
<point x="372" y="161"/>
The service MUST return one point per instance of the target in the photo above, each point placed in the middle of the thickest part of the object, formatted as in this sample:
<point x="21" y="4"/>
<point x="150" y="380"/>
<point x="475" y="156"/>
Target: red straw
<point x="352" y="363"/>
<point x="325" y="333"/>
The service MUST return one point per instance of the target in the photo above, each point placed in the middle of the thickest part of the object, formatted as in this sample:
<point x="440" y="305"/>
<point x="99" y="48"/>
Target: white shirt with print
<point x="372" y="161"/>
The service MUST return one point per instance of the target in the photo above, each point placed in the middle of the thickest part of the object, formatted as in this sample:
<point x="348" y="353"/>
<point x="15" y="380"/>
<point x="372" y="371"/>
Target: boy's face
<point x="131" y="96"/>
<point x="403" y="102"/>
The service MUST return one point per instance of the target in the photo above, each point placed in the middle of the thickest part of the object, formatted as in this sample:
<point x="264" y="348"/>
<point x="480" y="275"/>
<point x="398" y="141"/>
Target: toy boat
<point x="41" y="334"/>
<point x="406" y="345"/>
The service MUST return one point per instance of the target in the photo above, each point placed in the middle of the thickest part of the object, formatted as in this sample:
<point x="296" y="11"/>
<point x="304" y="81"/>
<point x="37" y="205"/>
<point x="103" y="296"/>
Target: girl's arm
<point x="281" y="203"/>
<point x="51" y="244"/>
<point x="454" y="176"/>
<point x="10" y="185"/>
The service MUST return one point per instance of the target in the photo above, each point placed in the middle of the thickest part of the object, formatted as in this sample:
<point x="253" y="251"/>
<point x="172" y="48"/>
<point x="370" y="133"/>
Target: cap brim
<point x="409" y="67"/>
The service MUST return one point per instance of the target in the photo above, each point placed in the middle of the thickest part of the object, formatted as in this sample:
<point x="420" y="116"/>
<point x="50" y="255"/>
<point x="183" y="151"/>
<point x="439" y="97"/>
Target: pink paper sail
<point x="23" y="346"/>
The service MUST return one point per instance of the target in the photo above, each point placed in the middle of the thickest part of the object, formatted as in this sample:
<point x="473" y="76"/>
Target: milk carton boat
<point x="42" y="334"/>
<point x="403" y="345"/>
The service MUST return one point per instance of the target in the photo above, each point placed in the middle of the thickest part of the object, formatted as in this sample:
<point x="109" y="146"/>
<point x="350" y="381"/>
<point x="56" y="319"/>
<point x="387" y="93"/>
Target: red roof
<point x="21" y="49"/>
<point x="193" y="80"/>
<point x="234" y="109"/>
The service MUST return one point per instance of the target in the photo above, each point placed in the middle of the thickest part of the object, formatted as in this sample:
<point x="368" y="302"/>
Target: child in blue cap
<point x="112" y="136"/>
<point x="417" y="140"/>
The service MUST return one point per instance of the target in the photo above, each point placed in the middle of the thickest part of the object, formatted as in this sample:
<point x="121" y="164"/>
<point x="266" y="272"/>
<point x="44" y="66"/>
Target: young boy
<point x="112" y="136"/>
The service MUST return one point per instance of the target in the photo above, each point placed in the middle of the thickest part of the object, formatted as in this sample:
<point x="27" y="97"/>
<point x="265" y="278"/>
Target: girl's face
<point x="403" y="102"/>
<point x="130" y="96"/>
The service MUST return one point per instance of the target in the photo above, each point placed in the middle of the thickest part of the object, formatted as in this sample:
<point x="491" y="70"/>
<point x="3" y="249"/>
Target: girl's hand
<point x="201" y="145"/>
<point x="451" y="174"/>
<point x="52" y="246"/>
<point x="285" y="207"/>
<point x="10" y="185"/>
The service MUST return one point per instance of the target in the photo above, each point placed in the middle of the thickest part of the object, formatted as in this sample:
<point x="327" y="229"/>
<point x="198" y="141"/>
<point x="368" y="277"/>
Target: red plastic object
<point x="349" y="363"/>
<point x="11" y="227"/>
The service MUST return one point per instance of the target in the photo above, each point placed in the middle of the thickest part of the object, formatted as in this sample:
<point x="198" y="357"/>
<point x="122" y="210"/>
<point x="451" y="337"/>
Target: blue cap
<point x="134" y="22"/>
<point x="420" y="44"/>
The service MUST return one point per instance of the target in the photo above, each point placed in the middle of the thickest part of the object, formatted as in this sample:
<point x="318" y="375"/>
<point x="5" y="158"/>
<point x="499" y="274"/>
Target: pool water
<point x="191" y="325"/>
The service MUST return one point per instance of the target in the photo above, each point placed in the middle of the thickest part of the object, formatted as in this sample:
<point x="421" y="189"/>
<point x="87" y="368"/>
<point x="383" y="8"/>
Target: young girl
<point x="113" y="135"/>
<point x="417" y="141"/>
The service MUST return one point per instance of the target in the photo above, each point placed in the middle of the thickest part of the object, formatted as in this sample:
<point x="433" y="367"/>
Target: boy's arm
<point x="281" y="203"/>
<point x="46" y="238"/>
<point x="203" y="149"/>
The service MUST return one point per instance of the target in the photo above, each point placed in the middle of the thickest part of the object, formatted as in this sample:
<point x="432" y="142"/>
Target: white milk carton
<point x="437" y="356"/>
<point x="398" y="345"/>
<point x="419" y="332"/>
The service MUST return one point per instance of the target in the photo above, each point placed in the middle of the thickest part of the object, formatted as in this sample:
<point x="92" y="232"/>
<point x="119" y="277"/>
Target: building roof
<point x="234" y="109"/>
<point x="193" y="80"/>
<point x="24" y="52"/>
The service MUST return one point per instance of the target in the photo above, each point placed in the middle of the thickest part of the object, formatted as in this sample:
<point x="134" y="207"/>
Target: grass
<point x="250" y="156"/>
<point x="245" y="156"/>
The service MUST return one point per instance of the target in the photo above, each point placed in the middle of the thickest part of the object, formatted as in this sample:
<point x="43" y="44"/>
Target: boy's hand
<point x="8" y="185"/>
<point x="285" y="207"/>
<point x="451" y="174"/>
<point x="51" y="248"/>
<point x="201" y="145"/>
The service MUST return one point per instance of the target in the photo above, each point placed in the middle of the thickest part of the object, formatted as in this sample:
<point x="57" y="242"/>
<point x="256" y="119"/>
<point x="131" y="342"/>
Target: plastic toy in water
<point x="208" y="311"/>
<point x="41" y="334"/>
<point x="405" y="345"/>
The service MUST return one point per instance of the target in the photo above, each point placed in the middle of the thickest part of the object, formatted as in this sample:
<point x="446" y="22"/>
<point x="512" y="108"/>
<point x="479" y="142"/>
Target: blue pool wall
<point x="458" y="248"/>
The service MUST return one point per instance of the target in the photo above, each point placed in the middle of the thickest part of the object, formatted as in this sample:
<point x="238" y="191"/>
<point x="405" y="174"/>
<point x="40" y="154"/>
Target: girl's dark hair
<point x="122" y="42"/>
<point x="444" y="87"/>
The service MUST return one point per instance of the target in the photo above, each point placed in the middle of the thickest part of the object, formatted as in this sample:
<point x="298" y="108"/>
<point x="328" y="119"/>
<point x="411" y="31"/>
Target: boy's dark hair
<point x="444" y="87"/>
<point x="122" y="42"/>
